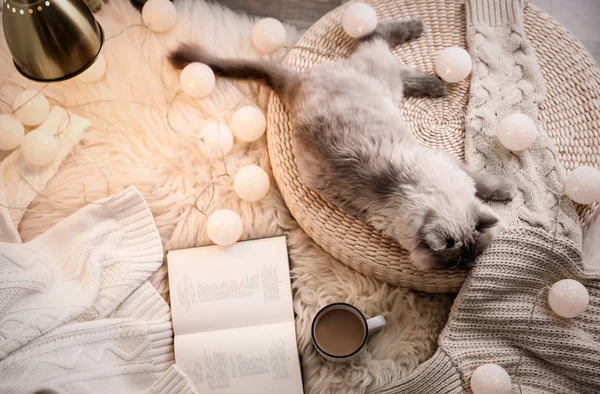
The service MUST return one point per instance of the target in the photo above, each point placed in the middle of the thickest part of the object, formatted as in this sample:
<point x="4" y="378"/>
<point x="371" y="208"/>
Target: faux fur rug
<point x="132" y="144"/>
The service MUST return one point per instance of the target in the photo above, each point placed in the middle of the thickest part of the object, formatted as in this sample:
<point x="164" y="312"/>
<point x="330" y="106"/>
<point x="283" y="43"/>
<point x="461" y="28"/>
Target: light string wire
<point x="559" y="195"/>
<point x="529" y="321"/>
<point x="210" y="187"/>
<point x="63" y="132"/>
<point x="213" y="179"/>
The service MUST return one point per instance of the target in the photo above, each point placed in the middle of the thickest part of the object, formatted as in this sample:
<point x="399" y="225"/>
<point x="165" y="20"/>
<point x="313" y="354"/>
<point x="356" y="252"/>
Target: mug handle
<point x="375" y="324"/>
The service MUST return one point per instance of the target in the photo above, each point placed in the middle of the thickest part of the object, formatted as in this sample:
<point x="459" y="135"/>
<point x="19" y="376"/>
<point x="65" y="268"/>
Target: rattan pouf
<point x="570" y="114"/>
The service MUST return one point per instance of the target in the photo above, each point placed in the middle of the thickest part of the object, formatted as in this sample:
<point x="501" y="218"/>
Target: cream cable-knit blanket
<point x="76" y="312"/>
<point x="540" y="245"/>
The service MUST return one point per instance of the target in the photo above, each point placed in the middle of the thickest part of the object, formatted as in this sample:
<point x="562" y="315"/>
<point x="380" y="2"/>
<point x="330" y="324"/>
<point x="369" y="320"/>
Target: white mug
<point x="369" y="326"/>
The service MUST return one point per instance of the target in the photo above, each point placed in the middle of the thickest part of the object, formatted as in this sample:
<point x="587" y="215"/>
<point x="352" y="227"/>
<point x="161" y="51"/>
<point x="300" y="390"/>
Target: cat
<point x="353" y="146"/>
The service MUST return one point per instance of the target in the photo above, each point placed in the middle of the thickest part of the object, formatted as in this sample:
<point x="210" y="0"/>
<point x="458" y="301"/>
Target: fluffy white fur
<point x="133" y="145"/>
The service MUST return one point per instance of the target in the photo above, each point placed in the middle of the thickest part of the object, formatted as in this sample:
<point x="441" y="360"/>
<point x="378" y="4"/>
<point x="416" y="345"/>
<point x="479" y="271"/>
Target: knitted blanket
<point x="76" y="312"/>
<point x="541" y="242"/>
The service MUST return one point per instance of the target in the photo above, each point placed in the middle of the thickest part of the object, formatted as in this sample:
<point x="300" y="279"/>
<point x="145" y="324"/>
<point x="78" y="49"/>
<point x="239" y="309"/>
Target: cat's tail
<point x="396" y="32"/>
<point x="276" y="76"/>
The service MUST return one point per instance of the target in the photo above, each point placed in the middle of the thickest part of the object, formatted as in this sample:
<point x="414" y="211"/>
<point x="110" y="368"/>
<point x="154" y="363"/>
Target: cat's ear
<point x="486" y="219"/>
<point x="430" y="234"/>
<point x="434" y="240"/>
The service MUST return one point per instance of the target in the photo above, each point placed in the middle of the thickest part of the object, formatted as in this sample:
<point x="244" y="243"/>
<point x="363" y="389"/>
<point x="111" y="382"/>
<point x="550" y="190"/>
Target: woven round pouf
<point x="570" y="114"/>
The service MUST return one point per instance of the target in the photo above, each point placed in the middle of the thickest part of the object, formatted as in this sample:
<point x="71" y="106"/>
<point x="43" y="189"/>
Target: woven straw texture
<point x="570" y="114"/>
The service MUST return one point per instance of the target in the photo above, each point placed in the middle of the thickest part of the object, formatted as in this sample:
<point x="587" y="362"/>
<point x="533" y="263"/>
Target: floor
<point x="582" y="17"/>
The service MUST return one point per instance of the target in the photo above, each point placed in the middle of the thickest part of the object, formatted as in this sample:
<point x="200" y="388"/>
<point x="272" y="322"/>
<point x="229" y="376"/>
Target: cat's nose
<point x="468" y="253"/>
<point x="461" y="264"/>
<point x="468" y="264"/>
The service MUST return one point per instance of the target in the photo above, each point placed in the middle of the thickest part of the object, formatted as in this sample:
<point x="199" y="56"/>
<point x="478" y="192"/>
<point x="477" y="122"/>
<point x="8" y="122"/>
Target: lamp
<point x="51" y="40"/>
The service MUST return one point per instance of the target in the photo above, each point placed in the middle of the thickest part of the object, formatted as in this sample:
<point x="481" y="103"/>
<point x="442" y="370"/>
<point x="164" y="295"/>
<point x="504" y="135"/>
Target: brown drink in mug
<point x="340" y="331"/>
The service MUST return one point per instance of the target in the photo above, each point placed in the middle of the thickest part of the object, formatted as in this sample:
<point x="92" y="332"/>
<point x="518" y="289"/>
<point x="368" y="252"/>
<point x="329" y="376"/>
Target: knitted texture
<point x="506" y="80"/>
<point x="76" y="312"/>
<point x="81" y="269"/>
<point x="540" y="244"/>
<point x="174" y="381"/>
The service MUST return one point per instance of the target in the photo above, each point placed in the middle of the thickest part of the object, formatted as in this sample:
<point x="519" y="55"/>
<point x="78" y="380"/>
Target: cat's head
<point x="454" y="238"/>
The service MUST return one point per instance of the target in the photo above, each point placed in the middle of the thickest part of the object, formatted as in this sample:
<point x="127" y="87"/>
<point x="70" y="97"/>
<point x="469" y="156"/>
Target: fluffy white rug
<point x="132" y="144"/>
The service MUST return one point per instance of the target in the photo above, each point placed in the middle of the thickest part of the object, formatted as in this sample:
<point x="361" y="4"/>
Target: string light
<point x="224" y="227"/>
<point x="490" y="379"/>
<point x="251" y="183"/>
<point x="248" y="124"/>
<point x="359" y="19"/>
<point x="30" y="107"/>
<point x="95" y="72"/>
<point x="517" y="132"/>
<point x="217" y="138"/>
<point x="159" y="15"/>
<point x="568" y="298"/>
<point x="453" y="64"/>
<point x="268" y="35"/>
<point x="197" y="80"/>
<point x="583" y="185"/>
<point x="11" y="132"/>
<point x="39" y="147"/>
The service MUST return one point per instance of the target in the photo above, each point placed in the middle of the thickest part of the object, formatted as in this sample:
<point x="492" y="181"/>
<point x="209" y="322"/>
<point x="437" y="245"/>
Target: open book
<point x="233" y="317"/>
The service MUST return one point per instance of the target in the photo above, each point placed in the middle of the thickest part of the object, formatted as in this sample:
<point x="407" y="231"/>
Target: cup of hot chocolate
<point x="340" y="331"/>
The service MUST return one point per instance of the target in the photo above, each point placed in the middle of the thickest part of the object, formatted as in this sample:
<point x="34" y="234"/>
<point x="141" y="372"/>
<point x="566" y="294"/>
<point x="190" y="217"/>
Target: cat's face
<point x="455" y="239"/>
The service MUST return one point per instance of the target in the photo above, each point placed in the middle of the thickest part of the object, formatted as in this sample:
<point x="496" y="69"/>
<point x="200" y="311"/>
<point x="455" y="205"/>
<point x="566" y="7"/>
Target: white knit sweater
<point x="76" y="312"/>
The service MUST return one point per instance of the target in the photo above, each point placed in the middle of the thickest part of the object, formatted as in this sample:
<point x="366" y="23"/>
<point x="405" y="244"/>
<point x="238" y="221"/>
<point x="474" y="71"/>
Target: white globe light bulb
<point x="39" y="147"/>
<point x="11" y="132"/>
<point x="490" y="379"/>
<point x="453" y="64"/>
<point x="359" y="19"/>
<point x="583" y="185"/>
<point x="268" y="35"/>
<point x="197" y="80"/>
<point x="248" y="124"/>
<point x="94" y="72"/>
<point x="568" y="298"/>
<point x="251" y="183"/>
<point x="517" y="132"/>
<point x="33" y="109"/>
<point x="217" y="138"/>
<point x="159" y="15"/>
<point x="224" y="227"/>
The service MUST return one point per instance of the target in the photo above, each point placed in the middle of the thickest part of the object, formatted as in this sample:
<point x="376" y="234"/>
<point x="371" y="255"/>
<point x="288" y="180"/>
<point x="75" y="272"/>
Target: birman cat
<point x="354" y="147"/>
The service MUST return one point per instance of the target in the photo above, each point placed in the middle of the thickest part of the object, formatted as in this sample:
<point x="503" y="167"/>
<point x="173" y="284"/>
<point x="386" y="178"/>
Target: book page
<point x="261" y="359"/>
<point x="216" y="288"/>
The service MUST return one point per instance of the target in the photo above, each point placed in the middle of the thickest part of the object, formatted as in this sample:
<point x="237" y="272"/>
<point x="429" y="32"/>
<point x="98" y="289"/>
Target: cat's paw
<point x="437" y="88"/>
<point x="398" y="32"/>
<point x="507" y="191"/>
<point x="418" y="84"/>
<point x="498" y="189"/>
<point x="429" y="86"/>
<point x="414" y="28"/>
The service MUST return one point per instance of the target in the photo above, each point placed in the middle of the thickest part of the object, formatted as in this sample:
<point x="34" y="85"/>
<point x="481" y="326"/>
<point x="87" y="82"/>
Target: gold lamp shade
<point x="51" y="40"/>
